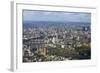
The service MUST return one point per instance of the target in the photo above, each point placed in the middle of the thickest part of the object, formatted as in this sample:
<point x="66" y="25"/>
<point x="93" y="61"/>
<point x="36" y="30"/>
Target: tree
<point x="64" y="52"/>
<point x="84" y="52"/>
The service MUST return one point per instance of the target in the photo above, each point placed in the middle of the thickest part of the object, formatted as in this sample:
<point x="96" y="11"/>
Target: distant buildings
<point x="38" y="40"/>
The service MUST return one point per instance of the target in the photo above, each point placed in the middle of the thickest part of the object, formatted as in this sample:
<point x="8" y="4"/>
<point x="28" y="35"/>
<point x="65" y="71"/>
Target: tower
<point x="44" y="51"/>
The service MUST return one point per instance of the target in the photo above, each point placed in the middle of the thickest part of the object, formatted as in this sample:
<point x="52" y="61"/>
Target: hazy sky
<point x="29" y="15"/>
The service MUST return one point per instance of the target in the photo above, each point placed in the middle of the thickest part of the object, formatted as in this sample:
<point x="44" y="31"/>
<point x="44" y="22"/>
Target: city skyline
<point x="56" y="36"/>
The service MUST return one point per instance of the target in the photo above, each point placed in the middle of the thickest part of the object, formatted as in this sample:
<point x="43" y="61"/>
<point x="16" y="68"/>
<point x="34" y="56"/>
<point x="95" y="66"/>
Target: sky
<point x="31" y="15"/>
